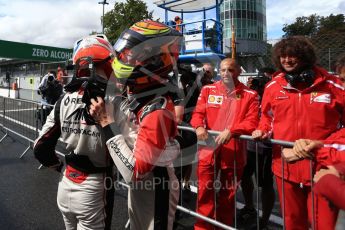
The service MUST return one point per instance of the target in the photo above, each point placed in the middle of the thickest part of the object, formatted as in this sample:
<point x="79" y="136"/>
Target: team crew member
<point x="178" y="22"/>
<point x="207" y="75"/>
<point x="302" y="101"/>
<point x="85" y="197"/>
<point x="146" y="54"/>
<point x="330" y="165"/>
<point x="232" y="108"/>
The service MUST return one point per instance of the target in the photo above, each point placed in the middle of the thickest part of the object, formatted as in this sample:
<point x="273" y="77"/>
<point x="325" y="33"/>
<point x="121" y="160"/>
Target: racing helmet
<point x="95" y="49"/>
<point x="146" y="53"/>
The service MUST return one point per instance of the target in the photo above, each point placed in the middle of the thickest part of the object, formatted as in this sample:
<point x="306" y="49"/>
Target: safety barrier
<point x="19" y="117"/>
<point x="247" y="138"/>
<point x="22" y="118"/>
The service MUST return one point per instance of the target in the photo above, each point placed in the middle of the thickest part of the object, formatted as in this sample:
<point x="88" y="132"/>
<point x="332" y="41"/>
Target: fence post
<point x="37" y="111"/>
<point x="214" y="189"/>
<point x="283" y="193"/>
<point x="312" y="196"/>
<point x="26" y="150"/>
<point x="235" y="185"/>
<point x="257" y="184"/>
<point x="3" y="137"/>
<point x="329" y="59"/>
<point x="3" y="121"/>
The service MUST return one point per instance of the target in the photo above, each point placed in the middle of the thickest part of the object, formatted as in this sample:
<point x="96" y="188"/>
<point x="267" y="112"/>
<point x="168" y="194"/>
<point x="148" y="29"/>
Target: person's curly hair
<point x="340" y="63"/>
<point x="296" y="46"/>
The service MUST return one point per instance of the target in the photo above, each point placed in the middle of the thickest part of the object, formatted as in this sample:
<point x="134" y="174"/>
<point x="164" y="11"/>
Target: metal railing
<point x="202" y="36"/>
<point x="22" y="118"/>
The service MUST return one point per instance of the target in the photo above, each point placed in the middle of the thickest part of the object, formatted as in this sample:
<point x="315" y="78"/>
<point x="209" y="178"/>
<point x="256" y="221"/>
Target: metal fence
<point x="328" y="49"/>
<point x="22" y="118"/>
<point x="19" y="117"/>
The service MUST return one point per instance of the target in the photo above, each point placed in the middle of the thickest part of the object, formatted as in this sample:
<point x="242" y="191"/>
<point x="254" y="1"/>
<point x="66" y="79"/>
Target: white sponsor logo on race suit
<point x="321" y="98"/>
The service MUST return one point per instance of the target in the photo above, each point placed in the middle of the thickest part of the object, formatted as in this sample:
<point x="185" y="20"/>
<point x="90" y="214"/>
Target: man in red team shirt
<point x="232" y="108"/>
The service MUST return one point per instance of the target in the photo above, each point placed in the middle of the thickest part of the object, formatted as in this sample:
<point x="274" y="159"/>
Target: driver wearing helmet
<point x="83" y="197"/>
<point x="145" y="55"/>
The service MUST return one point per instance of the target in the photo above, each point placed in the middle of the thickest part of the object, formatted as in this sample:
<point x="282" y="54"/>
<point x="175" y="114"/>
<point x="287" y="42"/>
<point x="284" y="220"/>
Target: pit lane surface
<point x="28" y="195"/>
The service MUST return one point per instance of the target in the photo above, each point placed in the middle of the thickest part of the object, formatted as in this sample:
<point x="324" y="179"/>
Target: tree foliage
<point x="123" y="15"/>
<point x="315" y="25"/>
<point x="332" y="24"/>
<point x="302" y="26"/>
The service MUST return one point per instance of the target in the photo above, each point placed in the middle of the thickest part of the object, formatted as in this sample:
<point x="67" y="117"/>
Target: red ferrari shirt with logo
<point x="219" y="108"/>
<point x="290" y="114"/>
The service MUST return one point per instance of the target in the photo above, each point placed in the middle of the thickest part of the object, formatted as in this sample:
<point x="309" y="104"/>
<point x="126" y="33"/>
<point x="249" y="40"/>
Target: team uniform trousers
<point x="221" y="206"/>
<point x="217" y="109"/>
<point x="297" y="198"/>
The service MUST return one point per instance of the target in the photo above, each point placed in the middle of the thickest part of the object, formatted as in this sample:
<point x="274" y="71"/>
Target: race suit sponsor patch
<point x="214" y="99"/>
<point x="282" y="97"/>
<point x="75" y="175"/>
<point x="80" y="131"/>
<point x="121" y="157"/>
<point x="320" y="97"/>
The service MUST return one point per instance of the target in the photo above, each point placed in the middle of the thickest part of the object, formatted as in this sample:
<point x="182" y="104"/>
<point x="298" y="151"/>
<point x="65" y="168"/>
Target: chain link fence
<point x="328" y="48"/>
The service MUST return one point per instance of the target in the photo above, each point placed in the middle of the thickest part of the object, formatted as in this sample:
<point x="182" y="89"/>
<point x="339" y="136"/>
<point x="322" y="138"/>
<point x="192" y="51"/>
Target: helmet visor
<point x="145" y="52"/>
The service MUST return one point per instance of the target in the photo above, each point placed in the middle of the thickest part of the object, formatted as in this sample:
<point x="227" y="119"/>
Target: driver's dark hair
<point x="297" y="46"/>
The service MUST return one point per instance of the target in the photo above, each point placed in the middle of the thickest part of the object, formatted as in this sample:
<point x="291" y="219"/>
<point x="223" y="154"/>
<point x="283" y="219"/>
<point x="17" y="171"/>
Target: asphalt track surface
<point x="28" y="195"/>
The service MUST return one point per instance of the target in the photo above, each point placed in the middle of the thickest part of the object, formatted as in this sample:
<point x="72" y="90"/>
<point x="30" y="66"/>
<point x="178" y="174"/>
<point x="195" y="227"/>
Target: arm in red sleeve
<point x="154" y="132"/>
<point x="153" y="135"/>
<point x="337" y="138"/>
<point x="332" y="188"/>
<point x="251" y="119"/>
<point x="199" y="113"/>
<point x="328" y="156"/>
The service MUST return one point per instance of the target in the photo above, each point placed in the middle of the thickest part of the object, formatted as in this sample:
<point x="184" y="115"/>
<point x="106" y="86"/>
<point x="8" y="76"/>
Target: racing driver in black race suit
<point x="145" y="54"/>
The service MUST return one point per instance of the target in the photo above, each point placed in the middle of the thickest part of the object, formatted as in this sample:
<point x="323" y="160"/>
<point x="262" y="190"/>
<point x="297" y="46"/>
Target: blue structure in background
<point x="203" y="39"/>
